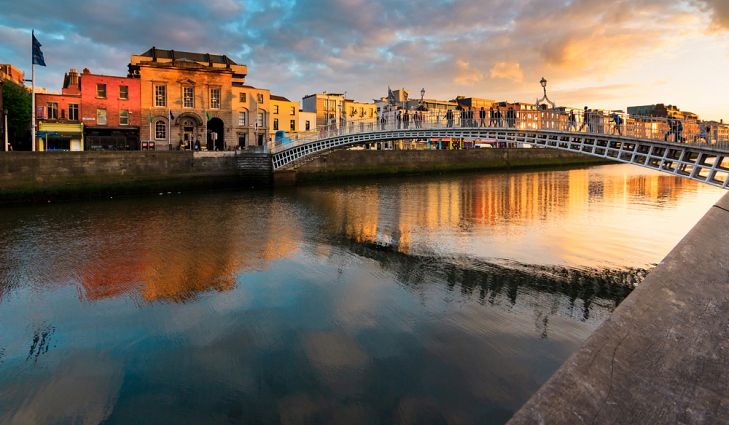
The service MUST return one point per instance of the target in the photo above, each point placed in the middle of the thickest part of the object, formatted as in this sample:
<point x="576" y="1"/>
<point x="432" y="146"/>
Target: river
<point x="416" y="300"/>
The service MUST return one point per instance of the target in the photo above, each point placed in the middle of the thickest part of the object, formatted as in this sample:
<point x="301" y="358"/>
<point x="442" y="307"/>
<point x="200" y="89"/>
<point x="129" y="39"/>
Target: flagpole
<point x="32" y="95"/>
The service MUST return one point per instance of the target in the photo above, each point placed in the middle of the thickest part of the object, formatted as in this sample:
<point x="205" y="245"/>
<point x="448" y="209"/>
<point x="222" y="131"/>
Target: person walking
<point x="406" y="120"/>
<point x="510" y="117"/>
<point x="398" y="117"/>
<point x="499" y="118"/>
<point x="572" y="121"/>
<point x="679" y="131"/>
<point x="618" y="122"/>
<point x="585" y="119"/>
<point x="449" y="118"/>
<point x="482" y="117"/>
<point x="492" y="117"/>
<point x="669" y="133"/>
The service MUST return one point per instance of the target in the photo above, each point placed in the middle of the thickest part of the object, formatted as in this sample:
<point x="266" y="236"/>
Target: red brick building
<point x="58" y="117"/>
<point x="110" y="111"/>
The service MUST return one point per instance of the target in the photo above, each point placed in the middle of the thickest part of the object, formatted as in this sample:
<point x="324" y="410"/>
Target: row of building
<point x="182" y="100"/>
<point x="174" y="100"/>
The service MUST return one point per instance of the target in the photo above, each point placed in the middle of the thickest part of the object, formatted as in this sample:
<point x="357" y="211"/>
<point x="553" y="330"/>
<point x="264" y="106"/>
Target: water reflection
<point x="447" y="299"/>
<point x="163" y="252"/>
<point x="594" y="217"/>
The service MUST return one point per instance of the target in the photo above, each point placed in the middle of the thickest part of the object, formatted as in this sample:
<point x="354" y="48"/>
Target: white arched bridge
<point x="670" y="146"/>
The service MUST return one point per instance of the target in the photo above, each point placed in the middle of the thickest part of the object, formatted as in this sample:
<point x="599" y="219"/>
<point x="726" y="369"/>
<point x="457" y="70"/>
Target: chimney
<point x="73" y="77"/>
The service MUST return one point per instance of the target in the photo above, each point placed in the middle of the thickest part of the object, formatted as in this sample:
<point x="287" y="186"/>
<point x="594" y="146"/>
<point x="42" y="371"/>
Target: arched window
<point x="160" y="130"/>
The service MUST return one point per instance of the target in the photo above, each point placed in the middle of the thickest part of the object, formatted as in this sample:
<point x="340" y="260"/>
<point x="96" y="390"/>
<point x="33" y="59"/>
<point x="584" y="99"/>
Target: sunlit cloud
<point x="489" y="48"/>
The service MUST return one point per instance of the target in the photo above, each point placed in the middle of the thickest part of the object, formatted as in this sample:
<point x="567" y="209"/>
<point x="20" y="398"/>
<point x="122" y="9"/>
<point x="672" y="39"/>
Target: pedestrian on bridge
<point x="511" y="117"/>
<point x="572" y="121"/>
<point x="482" y="117"/>
<point x="449" y="118"/>
<point x="398" y="117"/>
<point x="585" y="119"/>
<point x="618" y="123"/>
<point x="499" y="118"/>
<point x="406" y="120"/>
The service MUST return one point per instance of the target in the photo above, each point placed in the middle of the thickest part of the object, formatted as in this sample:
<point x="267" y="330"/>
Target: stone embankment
<point x="662" y="356"/>
<point x="29" y="176"/>
<point x="42" y="176"/>
<point x="345" y="164"/>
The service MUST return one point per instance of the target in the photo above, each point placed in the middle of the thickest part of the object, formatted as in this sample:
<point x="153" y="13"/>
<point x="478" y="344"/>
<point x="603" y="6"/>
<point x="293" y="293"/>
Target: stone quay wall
<point x="360" y="163"/>
<point x="42" y="176"/>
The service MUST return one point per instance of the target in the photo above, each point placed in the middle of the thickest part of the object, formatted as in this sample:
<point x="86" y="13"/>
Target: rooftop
<point x="187" y="56"/>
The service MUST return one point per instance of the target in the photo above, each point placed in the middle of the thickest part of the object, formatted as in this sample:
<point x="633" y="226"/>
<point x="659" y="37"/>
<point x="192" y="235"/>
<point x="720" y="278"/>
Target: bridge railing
<point x="674" y="130"/>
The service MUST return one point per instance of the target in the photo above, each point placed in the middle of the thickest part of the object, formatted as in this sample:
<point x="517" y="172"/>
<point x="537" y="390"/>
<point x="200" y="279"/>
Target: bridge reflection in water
<point x="452" y="297"/>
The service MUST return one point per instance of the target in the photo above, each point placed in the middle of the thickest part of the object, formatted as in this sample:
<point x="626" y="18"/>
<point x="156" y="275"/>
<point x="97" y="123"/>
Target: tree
<point x="17" y="101"/>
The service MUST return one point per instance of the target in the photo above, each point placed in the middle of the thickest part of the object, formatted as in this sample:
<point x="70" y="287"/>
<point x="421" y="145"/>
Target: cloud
<point x="719" y="10"/>
<point x="465" y="74"/>
<point x="296" y="47"/>
<point x="508" y="71"/>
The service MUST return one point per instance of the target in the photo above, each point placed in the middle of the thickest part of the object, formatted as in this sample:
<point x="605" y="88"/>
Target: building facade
<point x="307" y="122"/>
<point x="58" y="119"/>
<point x="198" y="101"/>
<point x="334" y="110"/>
<point x="328" y="108"/>
<point x="11" y="73"/>
<point x="284" y="115"/>
<point x="110" y="111"/>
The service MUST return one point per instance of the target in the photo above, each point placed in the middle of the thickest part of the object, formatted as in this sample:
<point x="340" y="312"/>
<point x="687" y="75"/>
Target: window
<point x="292" y="125"/>
<point x="160" y="95"/>
<point x="259" y="96"/>
<point x="123" y="117"/>
<point x="293" y="110"/>
<point x="160" y="130"/>
<point x="259" y="120"/>
<point x="275" y="123"/>
<point x="101" y="116"/>
<point x="275" y="109"/>
<point x="124" y="92"/>
<point x="52" y="110"/>
<point x="242" y="118"/>
<point x="243" y="98"/>
<point x="308" y="125"/>
<point x="73" y="111"/>
<point x="215" y="98"/>
<point x="188" y="97"/>
<point x="101" y="91"/>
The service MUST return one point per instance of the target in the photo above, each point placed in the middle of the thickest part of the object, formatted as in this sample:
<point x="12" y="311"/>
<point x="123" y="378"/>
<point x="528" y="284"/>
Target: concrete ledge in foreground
<point x="663" y="356"/>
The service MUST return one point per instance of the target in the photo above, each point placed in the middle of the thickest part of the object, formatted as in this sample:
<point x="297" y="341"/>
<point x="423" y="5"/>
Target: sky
<point x="605" y="54"/>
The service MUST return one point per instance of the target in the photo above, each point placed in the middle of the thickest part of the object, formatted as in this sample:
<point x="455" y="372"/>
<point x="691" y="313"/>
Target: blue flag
<point x="37" y="54"/>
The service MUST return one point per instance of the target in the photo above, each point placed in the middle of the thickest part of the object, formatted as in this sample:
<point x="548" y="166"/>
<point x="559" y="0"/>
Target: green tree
<point x="17" y="101"/>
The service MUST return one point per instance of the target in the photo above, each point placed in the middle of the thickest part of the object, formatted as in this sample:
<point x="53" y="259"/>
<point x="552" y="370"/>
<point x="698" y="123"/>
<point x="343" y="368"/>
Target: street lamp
<point x="543" y="82"/>
<point x="422" y="95"/>
<point x="5" y="128"/>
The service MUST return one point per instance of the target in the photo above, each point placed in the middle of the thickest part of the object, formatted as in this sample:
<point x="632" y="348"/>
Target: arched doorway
<point x="188" y="130"/>
<point x="216" y="135"/>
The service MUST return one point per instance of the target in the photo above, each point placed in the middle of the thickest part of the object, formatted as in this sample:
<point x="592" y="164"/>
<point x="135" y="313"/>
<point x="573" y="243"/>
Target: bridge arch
<point x="703" y="163"/>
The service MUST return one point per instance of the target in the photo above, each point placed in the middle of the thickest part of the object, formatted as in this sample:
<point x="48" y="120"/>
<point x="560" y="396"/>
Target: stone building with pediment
<point x="198" y="100"/>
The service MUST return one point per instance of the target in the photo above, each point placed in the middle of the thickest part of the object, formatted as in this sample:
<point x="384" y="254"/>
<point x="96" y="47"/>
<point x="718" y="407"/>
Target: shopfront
<point x="54" y="136"/>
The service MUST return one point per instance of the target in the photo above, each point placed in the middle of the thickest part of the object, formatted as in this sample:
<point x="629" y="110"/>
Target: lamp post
<point x="543" y="82"/>
<point x="422" y="95"/>
<point x="5" y="128"/>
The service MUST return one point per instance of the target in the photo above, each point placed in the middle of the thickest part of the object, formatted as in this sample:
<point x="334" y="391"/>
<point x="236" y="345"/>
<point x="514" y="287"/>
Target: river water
<point x="423" y="300"/>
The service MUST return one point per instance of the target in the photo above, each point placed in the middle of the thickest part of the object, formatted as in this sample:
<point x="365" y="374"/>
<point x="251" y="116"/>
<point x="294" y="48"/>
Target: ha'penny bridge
<point x="648" y="142"/>
<point x="662" y="356"/>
